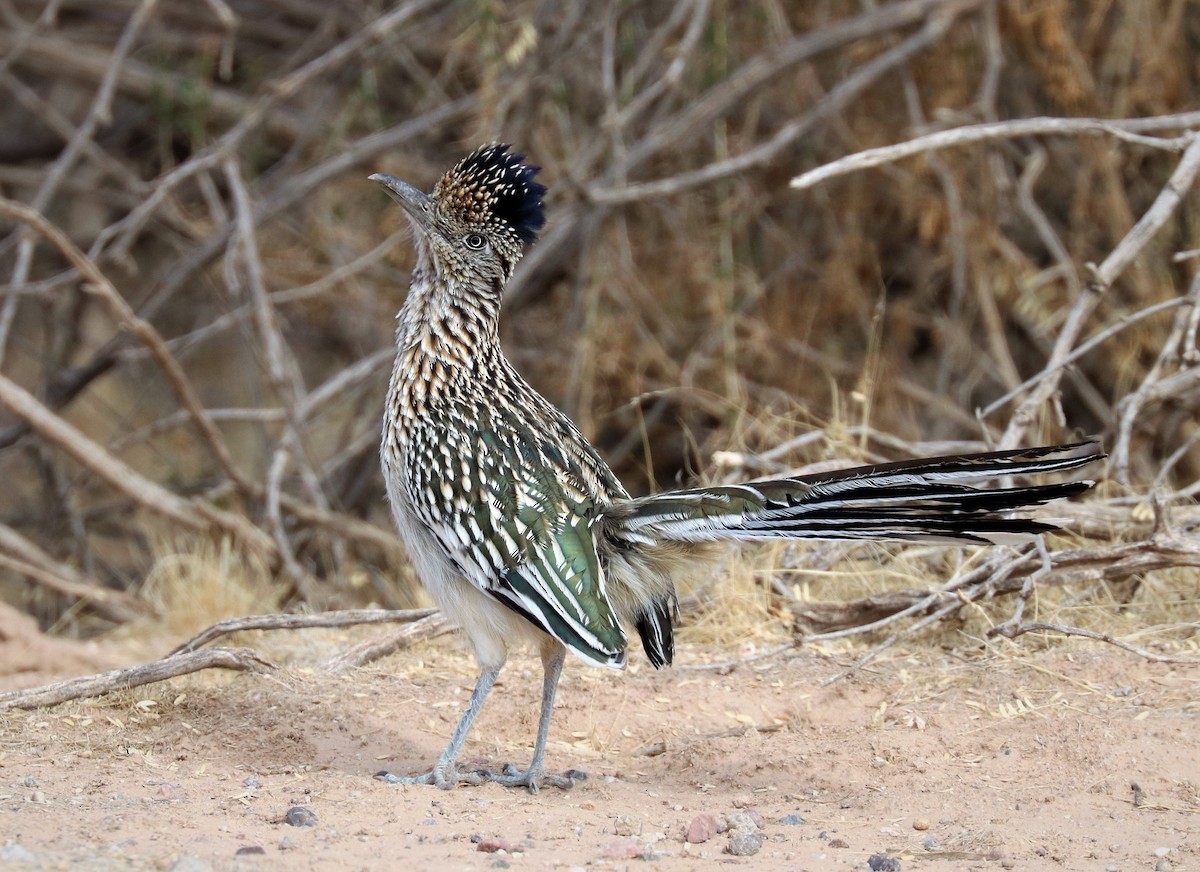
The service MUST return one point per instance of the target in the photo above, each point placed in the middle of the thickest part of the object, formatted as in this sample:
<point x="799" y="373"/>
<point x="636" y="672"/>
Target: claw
<point x="534" y="779"/>
<point x="444" y="778"/>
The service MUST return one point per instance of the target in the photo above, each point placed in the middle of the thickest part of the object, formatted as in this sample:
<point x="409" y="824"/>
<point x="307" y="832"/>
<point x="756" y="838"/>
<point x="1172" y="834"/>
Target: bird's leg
<point x="445" y="772"/>
<point x="553" y="655"/>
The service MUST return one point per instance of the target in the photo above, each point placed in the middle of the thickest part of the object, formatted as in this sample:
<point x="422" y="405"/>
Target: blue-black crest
<point x="494" y="189"/>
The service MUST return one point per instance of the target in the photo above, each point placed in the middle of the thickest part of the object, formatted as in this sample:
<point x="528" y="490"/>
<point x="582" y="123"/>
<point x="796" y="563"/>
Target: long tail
<point x="927" y="500"/>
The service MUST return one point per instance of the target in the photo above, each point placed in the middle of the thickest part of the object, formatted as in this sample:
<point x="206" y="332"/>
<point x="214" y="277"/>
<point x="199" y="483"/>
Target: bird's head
<point x="478" y="218"/>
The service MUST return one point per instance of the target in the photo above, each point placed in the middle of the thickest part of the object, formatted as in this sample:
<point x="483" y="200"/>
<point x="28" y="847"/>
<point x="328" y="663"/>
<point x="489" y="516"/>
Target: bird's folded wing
<point x="526" y="540"/>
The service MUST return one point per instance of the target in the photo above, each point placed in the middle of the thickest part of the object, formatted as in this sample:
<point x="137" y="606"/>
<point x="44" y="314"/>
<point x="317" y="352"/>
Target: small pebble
<point x="491" y="846"/>
<point x="883" y="863"/>
<point x="791" y="820"/>
<point x="930" y="844"/>
<point x="838" y="843"/>
<point x="742" y="823"/>
<point x="1161" y="852"/>
<point x="1162" y="866"/>
<point x="249" y="850"/>
<point x="920" y="824"/>
<point x="744" y="845"/>
<point x="702" y="828"/>
<point x="298" y="816"/>
<point x="252" y="782"/>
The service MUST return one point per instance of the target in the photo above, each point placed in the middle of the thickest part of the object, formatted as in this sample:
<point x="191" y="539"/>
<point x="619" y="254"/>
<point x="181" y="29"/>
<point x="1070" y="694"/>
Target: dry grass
<point x="194" y="583"/>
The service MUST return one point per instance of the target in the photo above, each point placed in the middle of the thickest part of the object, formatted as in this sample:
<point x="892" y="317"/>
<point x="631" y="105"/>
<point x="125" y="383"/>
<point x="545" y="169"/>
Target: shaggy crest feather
<point x="492" y="187"/>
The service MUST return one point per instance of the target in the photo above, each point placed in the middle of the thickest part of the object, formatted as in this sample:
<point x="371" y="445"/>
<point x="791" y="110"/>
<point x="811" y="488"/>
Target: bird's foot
<point x="444" y="777"/>
<point x="534" y="779"/>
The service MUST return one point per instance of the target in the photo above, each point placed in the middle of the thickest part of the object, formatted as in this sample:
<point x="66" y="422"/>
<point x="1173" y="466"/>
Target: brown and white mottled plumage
<point x="520" y="530"/>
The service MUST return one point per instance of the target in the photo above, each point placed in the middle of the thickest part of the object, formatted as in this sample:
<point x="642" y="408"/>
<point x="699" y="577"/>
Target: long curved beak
<point x="417" y="204"/>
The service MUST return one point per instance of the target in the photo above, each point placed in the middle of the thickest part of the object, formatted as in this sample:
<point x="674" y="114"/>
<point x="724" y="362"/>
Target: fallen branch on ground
<point x="827" y="620"/>
<point x="425" y="623"/>
<point x="344" y="618"/>
<point x="242" y="659"/>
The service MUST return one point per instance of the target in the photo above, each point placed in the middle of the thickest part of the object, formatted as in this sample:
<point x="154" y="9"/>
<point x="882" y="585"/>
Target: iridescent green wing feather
<point x="518" y="529"/>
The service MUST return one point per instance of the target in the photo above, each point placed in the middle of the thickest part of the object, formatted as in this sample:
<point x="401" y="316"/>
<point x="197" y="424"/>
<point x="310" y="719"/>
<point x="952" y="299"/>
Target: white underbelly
<point x="490" y="626"/>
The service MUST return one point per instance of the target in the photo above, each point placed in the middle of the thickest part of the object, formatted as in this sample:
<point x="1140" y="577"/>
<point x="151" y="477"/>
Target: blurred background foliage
<point x="685" y="305"/>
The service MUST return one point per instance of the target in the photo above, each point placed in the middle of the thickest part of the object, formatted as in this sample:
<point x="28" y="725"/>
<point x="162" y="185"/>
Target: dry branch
<point x="368" y="652"/>
<point x="343" y="618"/>
<point x="191" y="657"/>
<point x="1068" y="567"/>
<point x="1021" y="629"/>
<point x="959" y="136"/>
<point x="241" y="659"/>
<point x="98" y="284"/>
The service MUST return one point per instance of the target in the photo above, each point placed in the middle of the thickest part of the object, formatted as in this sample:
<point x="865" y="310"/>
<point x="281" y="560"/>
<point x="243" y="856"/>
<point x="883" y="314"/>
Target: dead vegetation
<point x="990" y="241"/>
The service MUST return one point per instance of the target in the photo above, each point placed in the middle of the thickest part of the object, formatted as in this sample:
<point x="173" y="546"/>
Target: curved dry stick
<point x="341" y="618"/>
<point x="242" y="659"/>
<point x="260" y="111"/>
<point x="1040" y="626"/>
<point x="1104" y="335"/>
<point x="1151" y="388"/>
<point x="958" y="136"/>
<point x="435" y="624"/>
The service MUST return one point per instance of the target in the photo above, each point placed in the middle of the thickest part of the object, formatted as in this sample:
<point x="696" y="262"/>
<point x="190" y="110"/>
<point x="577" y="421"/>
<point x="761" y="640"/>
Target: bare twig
<point x="242" y="659"/>
<point x="1001" y="575"/>
<point x="971" y="134"/>
<point x="375" y="649"/>
<point x="342" y="618"/>
<point x="834" y="102"/>
<point x="98" y="113"/>
<point x="1042" y="627"/>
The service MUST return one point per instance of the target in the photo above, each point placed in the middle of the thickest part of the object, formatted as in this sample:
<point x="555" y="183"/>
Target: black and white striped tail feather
<point x="922" y="500"/>
<point x="969" y="467"/>
<point x="655" y="626"/>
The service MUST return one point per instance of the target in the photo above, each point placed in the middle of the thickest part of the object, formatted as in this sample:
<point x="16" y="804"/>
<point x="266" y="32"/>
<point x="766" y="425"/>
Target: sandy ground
<point x="927" y="761"/>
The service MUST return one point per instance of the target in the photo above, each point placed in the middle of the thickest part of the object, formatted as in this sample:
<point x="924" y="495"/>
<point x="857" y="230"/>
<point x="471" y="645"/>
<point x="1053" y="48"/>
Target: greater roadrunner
<point x="521" y="531"/>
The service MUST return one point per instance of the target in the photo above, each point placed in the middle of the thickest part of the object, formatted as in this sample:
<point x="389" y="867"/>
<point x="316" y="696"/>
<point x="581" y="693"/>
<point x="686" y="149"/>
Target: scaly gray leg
<point x="553" y="655"/>
<point x="445" y="772"/>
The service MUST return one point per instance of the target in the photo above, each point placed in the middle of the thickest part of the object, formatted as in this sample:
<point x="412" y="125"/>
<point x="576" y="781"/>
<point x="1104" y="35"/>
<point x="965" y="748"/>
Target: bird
<point x="522" y="533"/>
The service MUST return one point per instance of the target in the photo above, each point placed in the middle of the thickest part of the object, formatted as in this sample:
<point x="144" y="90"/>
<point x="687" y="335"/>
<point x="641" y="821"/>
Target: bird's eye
<point x="474" y="241"/>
